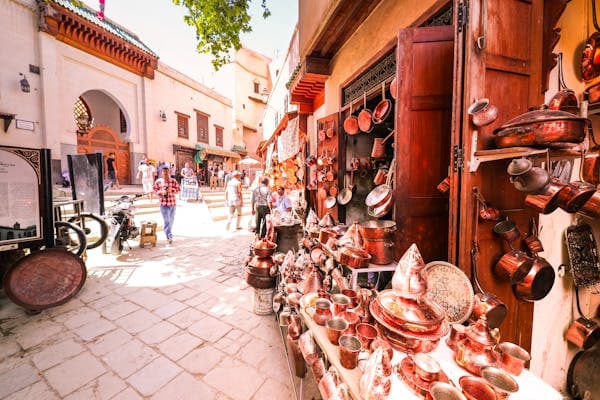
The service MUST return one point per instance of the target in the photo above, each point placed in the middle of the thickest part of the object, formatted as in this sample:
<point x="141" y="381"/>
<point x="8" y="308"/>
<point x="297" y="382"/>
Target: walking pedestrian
<point x="148" y="174"/>
<point x="166" y="188"/>
<point x="261" y="198"/>
<point x="234" y="200"/>
<point x="221" y="177"/>
<point x="111" y="171"/>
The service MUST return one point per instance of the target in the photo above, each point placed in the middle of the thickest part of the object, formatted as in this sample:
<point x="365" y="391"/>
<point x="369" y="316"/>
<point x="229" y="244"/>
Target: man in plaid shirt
<point x="166" y="188"/>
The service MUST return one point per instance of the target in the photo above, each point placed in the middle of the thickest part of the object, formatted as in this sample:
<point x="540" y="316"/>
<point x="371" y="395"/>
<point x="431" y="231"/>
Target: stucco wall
<point x="551" y="354"/>
<point x="19" y="49"/>
<point x="170" y="94"/>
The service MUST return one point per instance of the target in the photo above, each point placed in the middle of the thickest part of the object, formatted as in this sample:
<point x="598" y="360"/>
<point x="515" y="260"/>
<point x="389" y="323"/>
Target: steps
<point x="214" y="200"/>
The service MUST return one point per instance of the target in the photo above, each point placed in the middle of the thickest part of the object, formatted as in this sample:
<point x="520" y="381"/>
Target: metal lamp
<point x="25" y="88"/>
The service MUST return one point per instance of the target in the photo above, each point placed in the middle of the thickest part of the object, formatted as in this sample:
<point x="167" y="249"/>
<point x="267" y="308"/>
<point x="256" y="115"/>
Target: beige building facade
<point x="135" y="105"/>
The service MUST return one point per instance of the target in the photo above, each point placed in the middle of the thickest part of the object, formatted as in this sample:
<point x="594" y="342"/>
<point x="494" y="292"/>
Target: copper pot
<point x="546" y="201"/>
<point x="591" y="208"/>
<point x="383" y="108"/>
<point x="513" y="266"/>
<point x="351" y="123"/>
<point x="325" y="234"/>
<point x="512" y="357"/>
<point x="537" y="283"/>
<point x="565" y="99"/>
<point x="507" y="230"/>
<point x="380" y="176"/>
<point x="378" y="150"/>
<point x="542" y="128"/>
<point x="382" y="229"/>
<point x="322" y="311"/>
<point x="381" y="250"/>
<point x="258" y="281"/>
<point x="354" y="258"/>
<point x="583" y="333"/>
<point x="574" y="195"/>
<point x="490" y="306"/>
<point x="365" y="118"/>
<point x="482" y="112"/>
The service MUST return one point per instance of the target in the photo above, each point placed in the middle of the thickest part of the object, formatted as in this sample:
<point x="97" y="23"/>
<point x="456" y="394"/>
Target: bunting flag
<point x="101" y="12"/>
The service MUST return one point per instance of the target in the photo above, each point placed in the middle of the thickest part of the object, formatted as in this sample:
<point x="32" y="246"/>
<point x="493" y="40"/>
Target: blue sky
<point x="159" y="24"/>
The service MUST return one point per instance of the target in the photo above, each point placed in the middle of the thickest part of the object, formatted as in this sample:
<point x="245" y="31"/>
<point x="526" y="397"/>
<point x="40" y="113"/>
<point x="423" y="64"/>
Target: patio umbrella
<point x="249" y="161"/>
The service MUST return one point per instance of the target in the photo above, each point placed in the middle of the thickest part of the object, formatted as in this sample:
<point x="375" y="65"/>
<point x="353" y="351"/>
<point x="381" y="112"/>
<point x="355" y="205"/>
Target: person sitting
<point x="283" y="203"/>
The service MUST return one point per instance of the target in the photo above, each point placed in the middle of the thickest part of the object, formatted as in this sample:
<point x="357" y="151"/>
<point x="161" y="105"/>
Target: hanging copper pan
<point x="345" y="195"/>
<point x="590" y="168"/>
<point x="351" y="123"/>
<point x="565" y="99"/>
<point x="382" y="193"/>
<point x="383" y="108"/>
<point x="365" y="118"/>
<point x="543" y="128"/>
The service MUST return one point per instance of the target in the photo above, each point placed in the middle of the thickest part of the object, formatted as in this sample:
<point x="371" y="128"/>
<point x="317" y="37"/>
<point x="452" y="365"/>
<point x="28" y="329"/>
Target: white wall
<point x="18" y="50"/>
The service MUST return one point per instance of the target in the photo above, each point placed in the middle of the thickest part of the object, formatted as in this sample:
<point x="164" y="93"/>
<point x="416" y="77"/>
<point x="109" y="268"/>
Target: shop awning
<point x="262" y="146"/>
<point x="204" y="150"/>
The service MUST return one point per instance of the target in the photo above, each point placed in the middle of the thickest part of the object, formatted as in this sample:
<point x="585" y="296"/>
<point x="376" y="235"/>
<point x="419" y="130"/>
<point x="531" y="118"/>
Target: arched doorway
<point x="102" y="139"/>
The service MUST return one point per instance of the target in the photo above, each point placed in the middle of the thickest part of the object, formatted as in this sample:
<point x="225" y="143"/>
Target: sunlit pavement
<point x="166" y="322"/>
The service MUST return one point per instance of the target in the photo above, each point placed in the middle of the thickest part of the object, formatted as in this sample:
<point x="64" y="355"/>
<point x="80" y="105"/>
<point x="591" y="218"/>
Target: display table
<point x="530" y="386"/>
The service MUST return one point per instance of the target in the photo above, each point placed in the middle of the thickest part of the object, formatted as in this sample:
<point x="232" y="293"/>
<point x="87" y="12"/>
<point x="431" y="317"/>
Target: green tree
<point x="219" y="24"/>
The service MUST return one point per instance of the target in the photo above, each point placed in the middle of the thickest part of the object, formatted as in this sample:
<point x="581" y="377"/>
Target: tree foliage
<point x="219" y="24"/>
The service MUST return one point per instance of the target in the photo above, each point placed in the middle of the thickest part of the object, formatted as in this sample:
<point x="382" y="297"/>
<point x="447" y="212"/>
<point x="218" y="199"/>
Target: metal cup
<point x="512" y="357"/>
<point x="335" y="327"/>
<point x="502" y="383"/>
<point x="352" y="319"/>
<point x="341" y="303"/>
<point x="349" y="349"/>
<point x="366" y="333"/>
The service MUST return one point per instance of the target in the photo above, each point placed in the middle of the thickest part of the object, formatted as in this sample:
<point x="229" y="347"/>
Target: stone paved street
<point x="170" y="322"/>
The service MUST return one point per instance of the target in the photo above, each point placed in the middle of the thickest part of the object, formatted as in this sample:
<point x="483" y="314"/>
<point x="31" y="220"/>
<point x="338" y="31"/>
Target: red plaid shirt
<point x="172" y="187"/>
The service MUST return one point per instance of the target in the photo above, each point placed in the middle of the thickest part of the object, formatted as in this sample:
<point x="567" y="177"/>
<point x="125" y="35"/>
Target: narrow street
<point x="169" y="322"/>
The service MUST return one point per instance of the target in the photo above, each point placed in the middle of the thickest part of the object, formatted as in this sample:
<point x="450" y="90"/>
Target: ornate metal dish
<point x="451" y="289"/>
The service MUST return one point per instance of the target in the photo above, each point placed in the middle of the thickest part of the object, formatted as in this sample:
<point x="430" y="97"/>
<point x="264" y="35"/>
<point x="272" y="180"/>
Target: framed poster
<point x="25" y="209"/>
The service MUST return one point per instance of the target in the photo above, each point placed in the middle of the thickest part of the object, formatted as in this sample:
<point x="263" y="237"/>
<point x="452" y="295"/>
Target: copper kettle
<point x="477" y="349"/>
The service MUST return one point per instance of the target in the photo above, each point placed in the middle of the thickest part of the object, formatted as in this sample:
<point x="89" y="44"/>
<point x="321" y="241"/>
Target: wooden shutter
<point x="202" y="127"/>
<point x="182" y="125"/>
<point x="219" y="135"/>
<point x="506" y="68"/>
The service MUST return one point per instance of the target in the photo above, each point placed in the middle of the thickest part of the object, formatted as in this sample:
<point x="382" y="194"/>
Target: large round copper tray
<point x="45" y="279"/>
<point x="451" y="289"/>
<point x="379" y="315"/>
<point x="411" y="312"/>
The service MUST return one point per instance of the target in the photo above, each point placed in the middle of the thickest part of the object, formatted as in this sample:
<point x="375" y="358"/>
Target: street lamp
<point x="25" y="88"/>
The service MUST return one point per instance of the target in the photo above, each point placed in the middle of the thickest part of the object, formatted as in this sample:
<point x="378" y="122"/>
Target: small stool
<point x="148" y="233"/>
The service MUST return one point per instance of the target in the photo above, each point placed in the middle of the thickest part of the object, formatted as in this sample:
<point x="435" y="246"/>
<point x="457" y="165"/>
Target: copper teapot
<point x="477" y="349"/>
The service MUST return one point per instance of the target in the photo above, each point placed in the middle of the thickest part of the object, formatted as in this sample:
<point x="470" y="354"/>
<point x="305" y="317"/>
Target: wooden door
<point x="502" y="62"/>
<point x="423" y="138"/>
<point x="102" y="139"/>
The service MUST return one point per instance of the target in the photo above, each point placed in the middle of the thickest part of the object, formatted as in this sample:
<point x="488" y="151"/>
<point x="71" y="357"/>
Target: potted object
<point x="482" y="112"/>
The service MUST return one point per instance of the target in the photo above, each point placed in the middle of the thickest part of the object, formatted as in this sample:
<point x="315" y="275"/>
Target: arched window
<point x="83" y="116"/>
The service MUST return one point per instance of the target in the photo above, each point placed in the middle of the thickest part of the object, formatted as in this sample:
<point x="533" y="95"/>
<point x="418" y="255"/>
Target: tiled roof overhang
<point x="81" y="28"/>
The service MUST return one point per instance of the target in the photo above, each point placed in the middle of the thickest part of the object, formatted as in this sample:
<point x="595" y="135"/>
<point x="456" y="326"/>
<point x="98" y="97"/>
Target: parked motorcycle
<point x="121" y="224"/>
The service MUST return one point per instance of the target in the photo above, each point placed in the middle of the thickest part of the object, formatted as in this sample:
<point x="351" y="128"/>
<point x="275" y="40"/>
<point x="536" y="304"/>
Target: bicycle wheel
<point x="71" y="237"/>
<point x="93" y="226"/>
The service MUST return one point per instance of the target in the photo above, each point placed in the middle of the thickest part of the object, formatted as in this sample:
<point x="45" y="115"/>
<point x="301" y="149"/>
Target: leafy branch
<point x="219" y="24"/>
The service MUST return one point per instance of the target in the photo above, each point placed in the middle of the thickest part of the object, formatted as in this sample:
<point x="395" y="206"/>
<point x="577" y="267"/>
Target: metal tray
<point x="583" y="255"/>
<point x="45" y="279"/>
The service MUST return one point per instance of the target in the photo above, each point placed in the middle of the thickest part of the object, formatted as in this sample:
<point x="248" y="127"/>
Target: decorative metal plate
<point x="449" y="287"/>
<point x="45" y="279"/>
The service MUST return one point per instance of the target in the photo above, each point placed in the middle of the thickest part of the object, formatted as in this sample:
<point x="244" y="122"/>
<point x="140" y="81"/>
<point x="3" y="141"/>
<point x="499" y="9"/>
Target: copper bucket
<point x="378" y="150"/>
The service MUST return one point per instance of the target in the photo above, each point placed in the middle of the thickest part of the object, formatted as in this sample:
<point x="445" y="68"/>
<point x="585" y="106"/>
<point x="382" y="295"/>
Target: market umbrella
<point x="249" y="161"/>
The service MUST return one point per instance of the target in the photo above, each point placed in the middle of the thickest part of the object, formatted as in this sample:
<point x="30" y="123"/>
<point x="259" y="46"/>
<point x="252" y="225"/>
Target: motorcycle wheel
<point x="116" y="247"/>
<point x="93" y="226"/>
